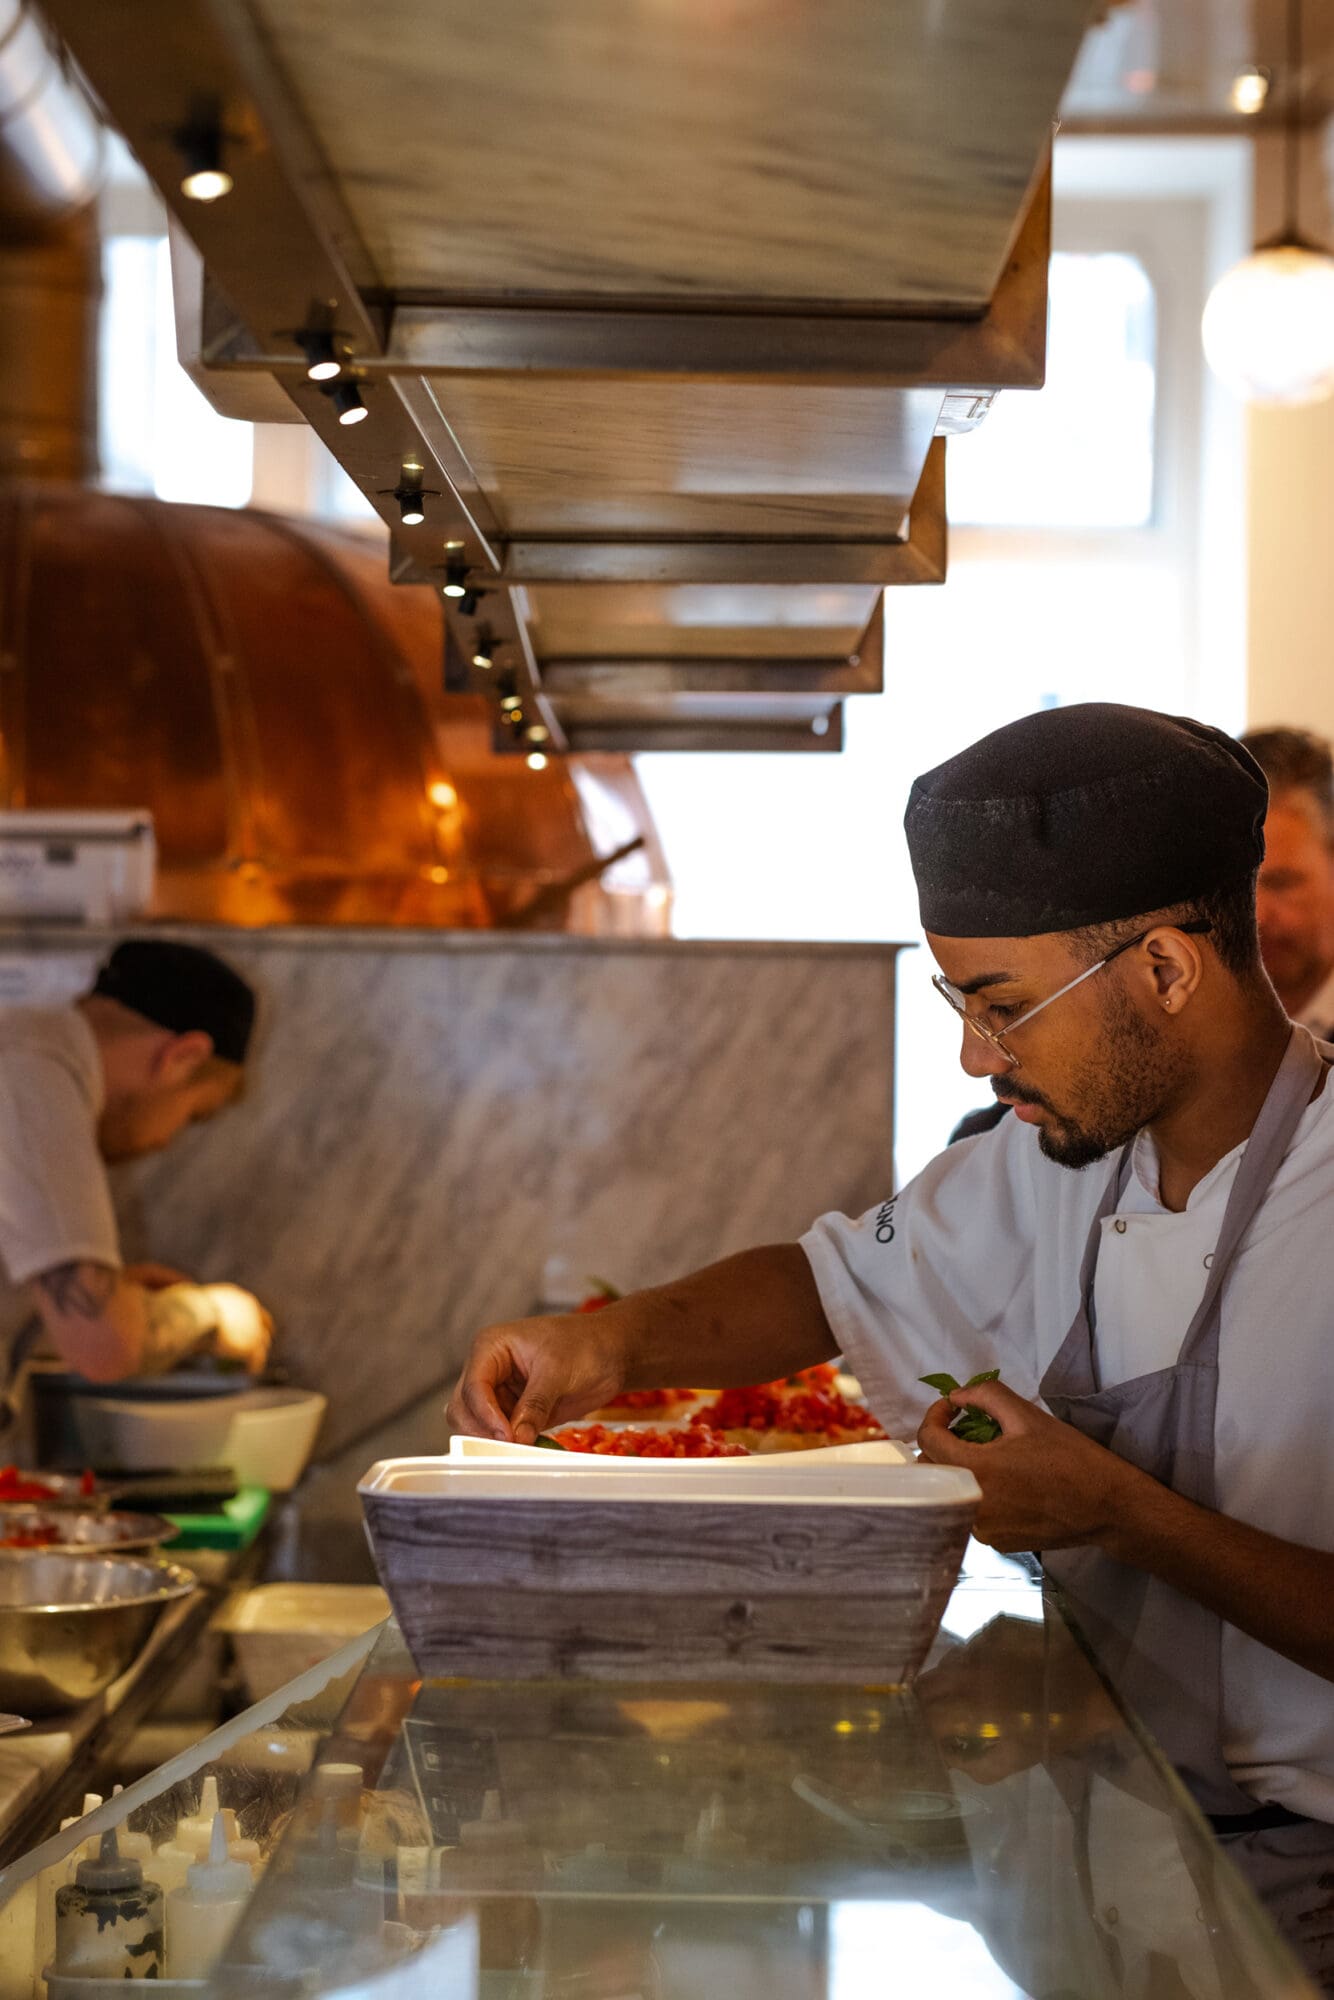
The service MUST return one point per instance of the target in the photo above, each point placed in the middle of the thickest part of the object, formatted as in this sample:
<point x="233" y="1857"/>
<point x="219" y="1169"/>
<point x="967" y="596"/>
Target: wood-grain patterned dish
<point x="519" y="1572"/>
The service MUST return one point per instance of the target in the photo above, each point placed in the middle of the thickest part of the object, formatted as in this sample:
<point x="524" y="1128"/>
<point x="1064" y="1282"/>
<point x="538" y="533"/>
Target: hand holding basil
<point x="974" y="1426"/>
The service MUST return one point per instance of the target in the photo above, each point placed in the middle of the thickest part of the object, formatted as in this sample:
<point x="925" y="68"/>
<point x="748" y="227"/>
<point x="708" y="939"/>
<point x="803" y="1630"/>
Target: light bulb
<point x="200" y="141"/>
<point x="1268" y="326"/>
<point x="346" y="399"/>
<point x="536" y="761"/>
<point x="208" y="184"/>
<point x="1249" y="89"/>
<point x="322" y="359"/>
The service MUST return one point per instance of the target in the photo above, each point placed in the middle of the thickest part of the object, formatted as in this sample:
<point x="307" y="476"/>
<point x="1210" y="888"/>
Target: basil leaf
<point x="943" y="1384"/>
<point x="988" y="1375"/>
<point x="548" y="1443"/>
<point x="974" y="1426"/>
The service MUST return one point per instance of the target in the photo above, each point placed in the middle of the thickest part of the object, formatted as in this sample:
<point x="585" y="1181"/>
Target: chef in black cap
<point x="1145" y="1250"/>
<point x="157" y="1045"/>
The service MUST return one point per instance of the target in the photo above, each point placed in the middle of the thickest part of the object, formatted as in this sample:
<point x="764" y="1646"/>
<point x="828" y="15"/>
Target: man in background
<point x="157" y="1045"/>
<point x="1295" y="896"/>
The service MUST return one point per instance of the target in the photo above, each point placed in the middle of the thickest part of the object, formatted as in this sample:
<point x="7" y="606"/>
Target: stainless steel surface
<point x="50" y="274"/>
<point x="71" y="1624"/>
<point x="849" y="239"/>
<point x="83" y="1533"/>
<point x="51" y="144"/>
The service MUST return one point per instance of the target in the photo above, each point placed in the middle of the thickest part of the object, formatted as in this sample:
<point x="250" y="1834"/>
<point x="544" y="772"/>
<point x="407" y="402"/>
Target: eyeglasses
<point x="996" y="1041"/>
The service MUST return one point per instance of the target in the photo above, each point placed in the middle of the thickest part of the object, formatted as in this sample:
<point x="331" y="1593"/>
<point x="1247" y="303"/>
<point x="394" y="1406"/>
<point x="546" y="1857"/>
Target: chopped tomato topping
<point x="697" y="1442"/>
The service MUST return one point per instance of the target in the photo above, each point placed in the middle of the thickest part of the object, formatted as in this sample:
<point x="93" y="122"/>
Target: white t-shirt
<point x="55" y="1203"/>
<point x="976" y="1265"/>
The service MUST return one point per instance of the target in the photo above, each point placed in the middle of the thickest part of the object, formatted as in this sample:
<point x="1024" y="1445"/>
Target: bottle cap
<point x="219" y="1879"/>
<point x="195" y="1831"/>
<point x="339" y="1780"/>
<point x="110" y="1871"/>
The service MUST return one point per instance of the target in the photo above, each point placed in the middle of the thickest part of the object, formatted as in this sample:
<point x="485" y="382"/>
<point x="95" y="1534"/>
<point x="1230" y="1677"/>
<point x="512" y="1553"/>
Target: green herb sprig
<point x="974" y="1426"/>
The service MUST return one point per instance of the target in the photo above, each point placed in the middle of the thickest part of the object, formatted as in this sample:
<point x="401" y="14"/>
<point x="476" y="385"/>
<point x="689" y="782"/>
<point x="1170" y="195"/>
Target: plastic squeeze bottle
<point x="195" y="1831"/>
<point x="137" y="1846"/>
<point x="202" y="1915"/>
<point x="50" y="1879"/>
<point x="87" y="1850"/>
<point x="109" y="1919"/>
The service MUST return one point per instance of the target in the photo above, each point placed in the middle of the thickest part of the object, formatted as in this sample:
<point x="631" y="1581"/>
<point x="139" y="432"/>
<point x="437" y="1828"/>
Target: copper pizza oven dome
<point x="261" y="686"/>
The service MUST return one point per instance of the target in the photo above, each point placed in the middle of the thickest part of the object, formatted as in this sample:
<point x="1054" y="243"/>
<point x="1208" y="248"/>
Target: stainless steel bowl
<point x="70" y="1624"/>
<point x="62" y="1528"/>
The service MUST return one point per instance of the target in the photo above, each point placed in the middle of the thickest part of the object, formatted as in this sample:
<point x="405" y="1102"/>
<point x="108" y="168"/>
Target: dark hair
<point x="1296" y="760"/>
<point x="1229" y="911"/>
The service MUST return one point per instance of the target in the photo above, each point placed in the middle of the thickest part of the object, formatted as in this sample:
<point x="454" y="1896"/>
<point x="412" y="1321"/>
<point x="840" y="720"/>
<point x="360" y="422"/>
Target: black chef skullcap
<point x="181" y="987"/>
<point x="1082" y="815"/>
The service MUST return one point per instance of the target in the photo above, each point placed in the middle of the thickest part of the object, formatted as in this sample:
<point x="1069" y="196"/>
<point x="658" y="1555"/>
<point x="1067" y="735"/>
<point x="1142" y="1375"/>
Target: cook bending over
<point x="159" y="1044"/>
<point x="1145" y="1248"/>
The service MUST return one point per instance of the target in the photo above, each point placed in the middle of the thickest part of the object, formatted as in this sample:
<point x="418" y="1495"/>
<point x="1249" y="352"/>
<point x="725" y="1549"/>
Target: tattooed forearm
<point x="85" y="1290"/>
<point x="104" y="1321"/>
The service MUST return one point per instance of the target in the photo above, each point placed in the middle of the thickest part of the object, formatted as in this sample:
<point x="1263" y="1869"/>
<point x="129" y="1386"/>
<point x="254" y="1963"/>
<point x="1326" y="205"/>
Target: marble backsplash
<point x="432" y="1118"/>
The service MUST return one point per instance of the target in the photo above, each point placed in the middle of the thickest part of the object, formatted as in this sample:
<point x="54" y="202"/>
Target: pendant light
<point x="1268" y="325"/>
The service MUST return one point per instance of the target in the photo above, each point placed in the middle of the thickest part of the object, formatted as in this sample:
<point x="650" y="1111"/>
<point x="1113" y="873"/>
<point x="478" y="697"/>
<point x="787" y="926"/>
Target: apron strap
<point x="1271" y="1135"/>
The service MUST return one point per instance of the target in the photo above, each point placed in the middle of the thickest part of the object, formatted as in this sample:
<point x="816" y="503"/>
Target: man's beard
<point x="1123" y="1093"/>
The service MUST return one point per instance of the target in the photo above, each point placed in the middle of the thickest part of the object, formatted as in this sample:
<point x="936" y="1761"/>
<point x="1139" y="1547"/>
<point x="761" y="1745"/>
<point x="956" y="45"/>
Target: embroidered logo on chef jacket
<point x="884" y="1221"/>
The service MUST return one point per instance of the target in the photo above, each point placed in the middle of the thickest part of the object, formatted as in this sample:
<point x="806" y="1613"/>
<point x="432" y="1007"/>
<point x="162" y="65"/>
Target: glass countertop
<point x="1000" y="1829"/>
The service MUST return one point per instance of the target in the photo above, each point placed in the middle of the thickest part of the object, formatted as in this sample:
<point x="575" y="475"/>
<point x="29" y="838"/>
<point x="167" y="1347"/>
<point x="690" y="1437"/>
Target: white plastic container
<point x="278" y="1630"/>
<point x="265" y="1435"/>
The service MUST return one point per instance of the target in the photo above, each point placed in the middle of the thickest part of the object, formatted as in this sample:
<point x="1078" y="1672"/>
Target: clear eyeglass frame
<point x="995" y="1040"/>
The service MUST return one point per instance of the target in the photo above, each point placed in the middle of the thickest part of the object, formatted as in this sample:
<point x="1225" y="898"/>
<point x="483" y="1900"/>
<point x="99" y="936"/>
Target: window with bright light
<point x="156" y="432"/>
<point x="1096" y="554"/>
<point x="1080" y="454"/>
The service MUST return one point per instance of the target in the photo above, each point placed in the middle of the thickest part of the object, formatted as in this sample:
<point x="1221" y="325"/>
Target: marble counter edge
<point x="36" y="939"/>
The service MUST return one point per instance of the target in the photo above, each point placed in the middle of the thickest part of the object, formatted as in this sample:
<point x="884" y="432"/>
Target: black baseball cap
<point x="184" y="988"/>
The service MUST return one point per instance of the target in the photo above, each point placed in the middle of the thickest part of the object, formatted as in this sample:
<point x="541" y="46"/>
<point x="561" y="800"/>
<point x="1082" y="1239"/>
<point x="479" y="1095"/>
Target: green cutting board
<point x="234" y="1525"/>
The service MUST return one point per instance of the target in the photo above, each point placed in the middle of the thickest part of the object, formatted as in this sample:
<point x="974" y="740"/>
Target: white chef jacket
<point x="55" y="1201"/>
<point x="976" y="1265"/>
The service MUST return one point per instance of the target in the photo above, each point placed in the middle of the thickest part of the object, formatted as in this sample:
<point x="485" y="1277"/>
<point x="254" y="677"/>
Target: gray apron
<point x="1163" y="1651"/>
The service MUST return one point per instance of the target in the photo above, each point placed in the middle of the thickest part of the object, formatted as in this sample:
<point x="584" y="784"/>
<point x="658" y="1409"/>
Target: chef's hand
<point x="1044" y="1484"/>
<point x="244" y="1331"/>
<point x="530" y="1373"/>
<point x="155" y="1277"/>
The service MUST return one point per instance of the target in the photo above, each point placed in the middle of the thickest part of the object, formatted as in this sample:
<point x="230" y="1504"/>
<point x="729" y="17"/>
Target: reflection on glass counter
<point x="1000" y="1829"/>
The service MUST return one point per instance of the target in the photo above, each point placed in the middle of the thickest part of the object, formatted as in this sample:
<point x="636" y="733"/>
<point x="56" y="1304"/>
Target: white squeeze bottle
<point x="133" y="1846"/>
<point x="195" y="1831"/>
<point x="89" y="1849"/>
<point x="202" y="1915"/>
